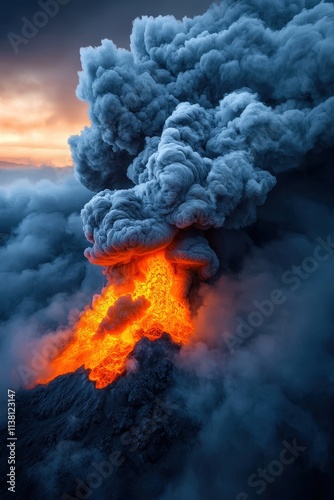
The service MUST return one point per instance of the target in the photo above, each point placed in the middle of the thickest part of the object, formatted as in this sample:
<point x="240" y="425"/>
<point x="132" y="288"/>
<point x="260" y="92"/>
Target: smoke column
<point x="190" y="128"/>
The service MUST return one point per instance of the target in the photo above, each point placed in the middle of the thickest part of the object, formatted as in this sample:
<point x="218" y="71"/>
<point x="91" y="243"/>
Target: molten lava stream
<point x="103" y="348"/>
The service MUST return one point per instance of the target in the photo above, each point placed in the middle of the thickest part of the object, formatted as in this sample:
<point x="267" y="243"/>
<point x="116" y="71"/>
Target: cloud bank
<point x="191" y="126"/>
<point x="44" y="278"/>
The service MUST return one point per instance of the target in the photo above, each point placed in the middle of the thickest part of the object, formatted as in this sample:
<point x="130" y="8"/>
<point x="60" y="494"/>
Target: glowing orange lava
<point x="155" y="305"/>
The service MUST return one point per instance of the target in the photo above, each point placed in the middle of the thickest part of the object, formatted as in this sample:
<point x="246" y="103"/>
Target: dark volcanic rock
<point x="76" y="441"/>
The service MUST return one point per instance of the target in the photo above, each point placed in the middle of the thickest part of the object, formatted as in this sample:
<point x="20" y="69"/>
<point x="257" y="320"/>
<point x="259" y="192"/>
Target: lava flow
<point x="106" y="333"/>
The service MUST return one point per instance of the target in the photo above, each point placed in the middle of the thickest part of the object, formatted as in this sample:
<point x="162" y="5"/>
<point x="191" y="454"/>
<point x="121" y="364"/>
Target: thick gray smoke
<point x="191" y="126"/>
<point x="123" y="313"/>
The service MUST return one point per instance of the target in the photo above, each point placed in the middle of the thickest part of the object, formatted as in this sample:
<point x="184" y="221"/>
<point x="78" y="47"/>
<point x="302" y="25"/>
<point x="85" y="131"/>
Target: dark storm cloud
<point x="200" y="115"/>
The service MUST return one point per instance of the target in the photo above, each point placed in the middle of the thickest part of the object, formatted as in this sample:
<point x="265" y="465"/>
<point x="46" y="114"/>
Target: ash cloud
<point x="192" y="125"/>
<point x="44" y="278"/>
<point x="124" y="312"/>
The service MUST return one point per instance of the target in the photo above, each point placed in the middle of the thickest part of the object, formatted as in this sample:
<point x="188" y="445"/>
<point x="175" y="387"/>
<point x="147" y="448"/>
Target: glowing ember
<point x="108" y="332"/>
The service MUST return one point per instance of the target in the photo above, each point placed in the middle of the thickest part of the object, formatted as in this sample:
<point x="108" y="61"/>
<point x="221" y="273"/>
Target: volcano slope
<point x="70" y="431"/>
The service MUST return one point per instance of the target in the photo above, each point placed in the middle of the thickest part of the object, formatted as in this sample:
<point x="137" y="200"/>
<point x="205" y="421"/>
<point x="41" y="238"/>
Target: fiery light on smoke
<point x="102" y="342"/>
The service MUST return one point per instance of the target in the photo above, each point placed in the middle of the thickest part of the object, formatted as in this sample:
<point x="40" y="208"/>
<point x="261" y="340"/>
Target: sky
<point x="38" y="106"/>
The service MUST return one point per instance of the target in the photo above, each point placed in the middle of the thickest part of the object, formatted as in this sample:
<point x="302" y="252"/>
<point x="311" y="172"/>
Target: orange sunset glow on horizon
<point x="35" y="124"/>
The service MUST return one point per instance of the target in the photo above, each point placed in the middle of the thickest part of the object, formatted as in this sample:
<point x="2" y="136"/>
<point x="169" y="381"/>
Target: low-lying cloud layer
<point x="44" y="277"/>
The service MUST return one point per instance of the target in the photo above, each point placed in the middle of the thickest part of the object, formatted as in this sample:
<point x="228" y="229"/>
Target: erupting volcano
<point x="204" y="185"/>
<point x="187" y="136"/>
<point x="106" y="333"/>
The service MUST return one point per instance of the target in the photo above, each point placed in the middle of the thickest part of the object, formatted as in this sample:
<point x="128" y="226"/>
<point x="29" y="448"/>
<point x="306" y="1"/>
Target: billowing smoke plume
<point x="192" y="125"/>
